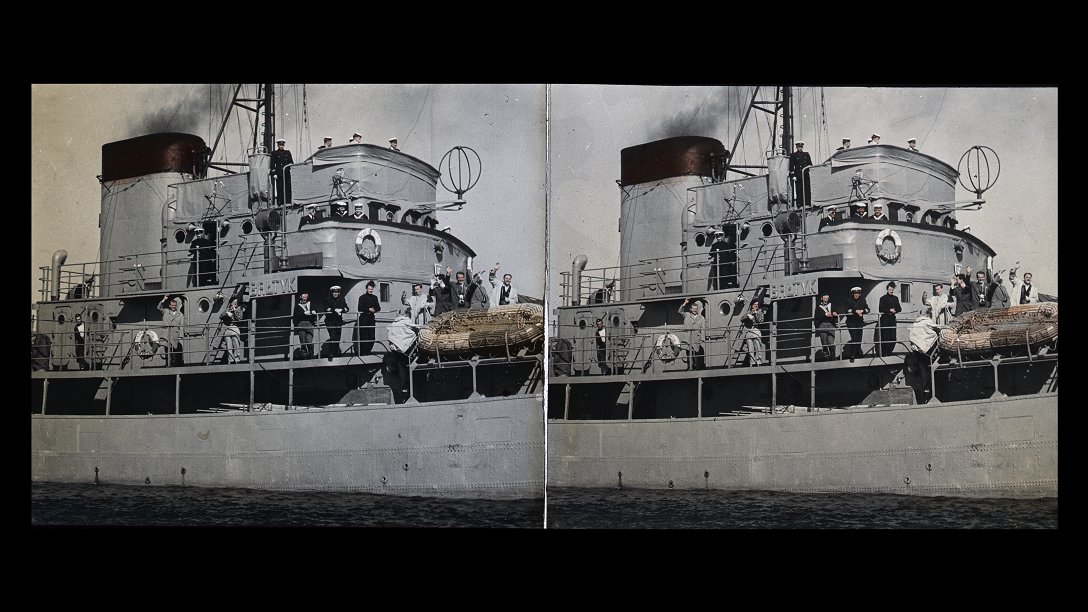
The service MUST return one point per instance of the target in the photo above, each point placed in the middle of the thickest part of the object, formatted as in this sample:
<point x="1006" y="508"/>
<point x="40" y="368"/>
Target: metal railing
<point x="605" y="285"/>
<point x="654" y="351"/>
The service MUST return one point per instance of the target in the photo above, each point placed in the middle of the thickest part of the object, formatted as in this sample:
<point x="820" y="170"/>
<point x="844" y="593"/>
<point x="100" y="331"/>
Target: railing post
<point x="290" y="387"/>
<point x="177" y="394"/>
<point x="45" y="393"/>
<point x="699" y="401"/>
<point x="566" y="401"/>
<point x="109" y="394"/>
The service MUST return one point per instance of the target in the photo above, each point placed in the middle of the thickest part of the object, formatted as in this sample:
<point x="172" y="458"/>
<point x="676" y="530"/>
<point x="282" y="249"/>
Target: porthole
<point x="204" y="305"/>
<point x="60" y="319"/>
<point x="247" y="226"/>
<point x="767" y="229"/>
<point x="94" y="316"/>
<point x="179" y="236"/>
<point x="581" y="324"/>
<point x="700" y="239"/>
<point x="616" y="321"/>
<point x="725" y="308"/>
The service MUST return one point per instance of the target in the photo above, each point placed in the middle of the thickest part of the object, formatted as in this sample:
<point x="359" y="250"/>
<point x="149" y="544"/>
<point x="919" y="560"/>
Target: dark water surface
<point x="119" y="505"/>
<point x="695" y="509"/>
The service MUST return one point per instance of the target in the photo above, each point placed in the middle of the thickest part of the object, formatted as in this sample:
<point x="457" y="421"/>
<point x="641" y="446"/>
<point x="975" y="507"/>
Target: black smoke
<point x="181" y="113"/>
<point x="723" y="107"/>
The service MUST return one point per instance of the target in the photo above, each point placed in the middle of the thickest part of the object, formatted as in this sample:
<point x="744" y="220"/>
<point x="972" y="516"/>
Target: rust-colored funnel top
<point x="678" y="156"/>
<point x="151" y="154"/>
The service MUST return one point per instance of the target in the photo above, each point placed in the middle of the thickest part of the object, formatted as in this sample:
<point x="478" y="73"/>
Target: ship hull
<point x="478" y="448"/>
<point x="1001" y="448"/>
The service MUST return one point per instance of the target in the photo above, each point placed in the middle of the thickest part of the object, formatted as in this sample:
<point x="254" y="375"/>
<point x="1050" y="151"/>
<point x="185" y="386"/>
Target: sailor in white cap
<point x="356" y="138"/>
<point x="878" y="212"/>
<point x="799" y="160"/>
<point x="912" y="144"/>
<point x="830" y="216"/>
<point x="281" y="158"/>
<point x="845" y="144"/>
<point x="307" y="216"/>
<point x="393" y="144"/>
<point x="334" y="320"/>
<point x="723" y="267"/>
<point x="327" y="144"/>
<point x="856" y="309"/>
<point x="874" y="139"/>
<point x="860" y="211"/>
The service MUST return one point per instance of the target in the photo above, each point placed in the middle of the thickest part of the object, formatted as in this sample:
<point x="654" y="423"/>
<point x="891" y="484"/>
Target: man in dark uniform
<point x="824" y="320"/>
<point x="308" y="217"/>
<point x="368" y="305"/>
<point x="334" y="319"/>
<point x="856" y="309"/>
<point x="889" y="307"/>
<point x="831" y="216"/>
<point x="327" y="145"/>
<point x="799" y="160"/>
<point x="718" y="251"/>
<point x="281" y="158"/>
<point x="845" y="144"/>
<point x="202" y="254"/>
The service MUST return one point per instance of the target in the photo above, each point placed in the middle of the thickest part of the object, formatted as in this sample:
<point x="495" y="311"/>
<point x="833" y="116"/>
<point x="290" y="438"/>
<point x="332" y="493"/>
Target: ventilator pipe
<point x="54" y="278"/>
<point x="576" y="278"/>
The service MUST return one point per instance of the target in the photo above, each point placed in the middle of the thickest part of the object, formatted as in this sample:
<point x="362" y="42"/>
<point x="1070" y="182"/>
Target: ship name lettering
<point x="278" y="286"/>
<point x="794" y="289"/>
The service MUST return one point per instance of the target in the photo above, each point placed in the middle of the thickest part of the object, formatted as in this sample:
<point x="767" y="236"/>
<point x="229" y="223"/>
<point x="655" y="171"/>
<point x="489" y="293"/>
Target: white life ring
<point x="668" y="347"/>
<point x="366" y="254"/>
<point x="881" y="253"/>
<point x="145" y="343"/>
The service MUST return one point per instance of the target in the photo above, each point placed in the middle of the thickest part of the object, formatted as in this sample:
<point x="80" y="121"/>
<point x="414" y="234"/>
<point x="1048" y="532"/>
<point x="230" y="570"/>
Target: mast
<point x="786" y="104"/>
<point x="269" y="118"/>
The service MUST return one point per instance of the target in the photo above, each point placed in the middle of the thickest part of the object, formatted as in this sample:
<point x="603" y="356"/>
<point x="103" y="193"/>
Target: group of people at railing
<point x="827" y="322"/>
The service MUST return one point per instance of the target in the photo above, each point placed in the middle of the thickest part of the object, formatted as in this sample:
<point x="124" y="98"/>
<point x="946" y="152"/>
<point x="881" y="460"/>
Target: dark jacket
<point x="888" y="302"/>
<point x="367" y="301"/>
<point x="852" y="319"/>
<point x="335" y="309"/>
<point x="819" y="317"/>
<point x="300" y="315"/>
<point x="965" y="299"/>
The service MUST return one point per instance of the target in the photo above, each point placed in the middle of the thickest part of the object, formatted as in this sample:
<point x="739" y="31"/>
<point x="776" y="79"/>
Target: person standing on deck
<point x="1023" y="292"/>
<point x="79" y="333"/>
<point x="173" y="321"/>
<point x="305" y="319"/>
<point x="889" y="306"/>
<point x="600" y="337"/>
<point x="695" y="325"/>
<point x="281" y="158"/>
<point x="962" y="295"/>
<point x="824" y="320"/>
<point x="939" y="310"/>
<point x="334" y="319"/>
<point x="856" y="309"/>
<point x="368" y="305"/>
<point x="799" y="160"/>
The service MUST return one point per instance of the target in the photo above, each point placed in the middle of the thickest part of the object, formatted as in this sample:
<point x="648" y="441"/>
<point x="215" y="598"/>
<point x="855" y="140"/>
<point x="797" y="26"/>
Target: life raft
<point x="884" y="255"/>
<point x="145" y="343"/>
<point x="367" y="254"/>
<point x="997" y="329"/>
<point x="491" y="331"/>
<point x="667" y="347"/>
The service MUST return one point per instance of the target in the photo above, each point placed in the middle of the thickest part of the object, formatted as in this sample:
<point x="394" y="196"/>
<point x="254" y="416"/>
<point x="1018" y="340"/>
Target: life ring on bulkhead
<point x="883" y="254"/>
<point x="668" y="347"/>
<point x="366" y="254"/>
<point x="145" y="343"/>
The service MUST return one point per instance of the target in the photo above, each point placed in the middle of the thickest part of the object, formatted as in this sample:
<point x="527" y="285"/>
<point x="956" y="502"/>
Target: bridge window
<point x="384" y="291"/>
<point x="904" y="292"/>
<point x="375" y="210"/>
